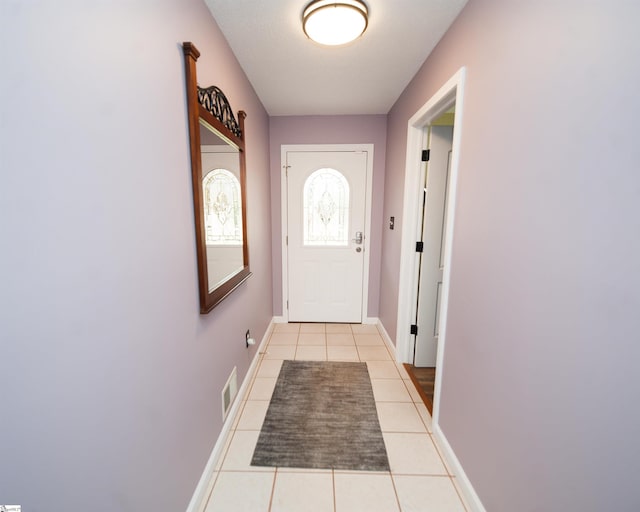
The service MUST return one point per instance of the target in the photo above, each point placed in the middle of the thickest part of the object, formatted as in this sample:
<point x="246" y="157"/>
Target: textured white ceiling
<point x="294" y="76"/>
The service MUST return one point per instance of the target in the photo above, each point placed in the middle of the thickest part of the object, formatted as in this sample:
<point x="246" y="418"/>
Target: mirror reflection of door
<point x="326" y="193"/>
<point x="222" y="207"/>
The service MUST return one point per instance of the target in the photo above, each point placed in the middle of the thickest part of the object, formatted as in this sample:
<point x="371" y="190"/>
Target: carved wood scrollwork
<point x="215" y="102"/>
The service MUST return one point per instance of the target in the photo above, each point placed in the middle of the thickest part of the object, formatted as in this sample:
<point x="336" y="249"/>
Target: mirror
<point x="221" y="206"/>
<point x="218" y="171"/>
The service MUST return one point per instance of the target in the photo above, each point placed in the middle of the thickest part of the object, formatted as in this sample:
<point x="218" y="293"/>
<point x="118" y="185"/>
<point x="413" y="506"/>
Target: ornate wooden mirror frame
<point x="217" y="151"/>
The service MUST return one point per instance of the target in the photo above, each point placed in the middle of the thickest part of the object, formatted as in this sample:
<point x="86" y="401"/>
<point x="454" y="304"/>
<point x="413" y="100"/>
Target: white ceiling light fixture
<point x="334" y="23"/>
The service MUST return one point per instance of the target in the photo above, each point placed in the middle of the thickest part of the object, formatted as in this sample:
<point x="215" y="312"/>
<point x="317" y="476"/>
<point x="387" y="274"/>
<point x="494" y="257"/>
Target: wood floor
<point x="423" y="379"/>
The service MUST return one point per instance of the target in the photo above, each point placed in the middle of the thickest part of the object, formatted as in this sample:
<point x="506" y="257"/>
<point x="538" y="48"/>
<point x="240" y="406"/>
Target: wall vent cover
<point x="229" y="392"/>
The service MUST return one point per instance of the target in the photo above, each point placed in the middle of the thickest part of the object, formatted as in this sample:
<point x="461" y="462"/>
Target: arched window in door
<point x="222" y="212"/>
<point x="326" y="208"/>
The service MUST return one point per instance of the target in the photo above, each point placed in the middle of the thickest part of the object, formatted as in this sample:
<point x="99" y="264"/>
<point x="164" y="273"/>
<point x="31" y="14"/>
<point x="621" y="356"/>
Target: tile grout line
<point x="415" y="406"/>
<point x="446" y="466"/>
<point x="430" y="475"/>
<point x="326" y="347"/>
<point x="395" y="491"/>
<point x="333" y="484"/>
<point x="226" y="448"/>
<point x="213" y="486"/>
<point x="273" y="490"/>
<point x="455" y="488"/>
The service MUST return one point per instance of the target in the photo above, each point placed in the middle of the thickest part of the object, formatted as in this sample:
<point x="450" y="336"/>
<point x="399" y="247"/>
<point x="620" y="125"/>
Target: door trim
<point x="451" y="92"/>
<point x="284" y="148"/>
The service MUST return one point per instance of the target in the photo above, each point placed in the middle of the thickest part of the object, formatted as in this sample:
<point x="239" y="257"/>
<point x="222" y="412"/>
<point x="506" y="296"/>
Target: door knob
<point x="358" y="238"/>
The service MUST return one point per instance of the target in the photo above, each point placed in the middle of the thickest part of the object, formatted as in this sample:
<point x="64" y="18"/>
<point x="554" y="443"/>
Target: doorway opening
<point x="447" y="102"/>
<point x="437" y="169"/>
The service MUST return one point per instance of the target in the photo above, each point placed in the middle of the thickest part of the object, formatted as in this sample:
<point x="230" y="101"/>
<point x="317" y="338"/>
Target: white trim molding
<point x="469" y="495"/>
<point x="386" y="337"/>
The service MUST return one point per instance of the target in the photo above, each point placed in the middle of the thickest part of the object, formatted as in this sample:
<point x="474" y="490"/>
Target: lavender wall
<point x="366" y="129"/>
<point x="110" y="378"/>
<point x="540" y="390"/>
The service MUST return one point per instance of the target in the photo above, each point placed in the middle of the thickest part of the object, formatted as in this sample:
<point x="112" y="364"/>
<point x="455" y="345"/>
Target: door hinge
<point x="414" y="329"/>
<point x="426" y="153"/>
<point x="287" y="305"/>
<point x="419" y="246"/>
<point x="286" y="240"/>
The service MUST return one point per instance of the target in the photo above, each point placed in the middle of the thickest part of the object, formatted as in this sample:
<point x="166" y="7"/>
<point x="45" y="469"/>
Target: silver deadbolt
<point x="358" y="249"/>
<point x="358" y="238"/>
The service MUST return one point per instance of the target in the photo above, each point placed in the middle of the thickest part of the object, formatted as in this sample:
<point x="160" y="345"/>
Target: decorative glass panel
<point x="326" y="208"/>
<point x="222" y="212"/>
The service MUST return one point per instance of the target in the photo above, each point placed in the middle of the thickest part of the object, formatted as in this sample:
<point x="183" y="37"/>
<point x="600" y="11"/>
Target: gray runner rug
<point x="322" y="415"/>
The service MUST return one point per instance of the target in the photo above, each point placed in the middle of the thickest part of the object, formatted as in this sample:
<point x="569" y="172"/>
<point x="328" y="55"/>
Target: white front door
<point x="326" y="193"/>
<point x="432" y="260"/>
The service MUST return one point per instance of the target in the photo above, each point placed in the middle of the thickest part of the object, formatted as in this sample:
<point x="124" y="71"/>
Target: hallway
<point x="418" y="480"/>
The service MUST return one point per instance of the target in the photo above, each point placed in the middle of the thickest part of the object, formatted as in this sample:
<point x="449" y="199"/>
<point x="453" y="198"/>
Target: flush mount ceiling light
<point x="334" y="23"/>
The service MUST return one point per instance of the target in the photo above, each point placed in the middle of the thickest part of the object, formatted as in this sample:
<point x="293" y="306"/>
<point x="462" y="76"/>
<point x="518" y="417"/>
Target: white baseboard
<point x="469" y="495"/>
<point x="205" y="485"/>
<point x="386" y="338"/>
<point x="283" y="320"/>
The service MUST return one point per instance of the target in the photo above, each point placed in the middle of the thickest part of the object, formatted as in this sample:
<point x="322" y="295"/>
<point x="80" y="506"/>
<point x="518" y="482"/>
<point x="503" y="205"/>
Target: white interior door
<point x="326" y="193"/>
<point x="432" y="260"/>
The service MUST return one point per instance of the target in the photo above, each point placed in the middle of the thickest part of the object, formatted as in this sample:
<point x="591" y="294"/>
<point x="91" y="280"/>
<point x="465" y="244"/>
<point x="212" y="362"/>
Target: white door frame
<point x="367" y="216"/>
<point x="451" y="92"/>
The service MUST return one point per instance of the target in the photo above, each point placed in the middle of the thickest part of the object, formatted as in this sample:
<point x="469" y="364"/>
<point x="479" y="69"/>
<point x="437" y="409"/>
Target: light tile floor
<point x="419" y="481"/>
